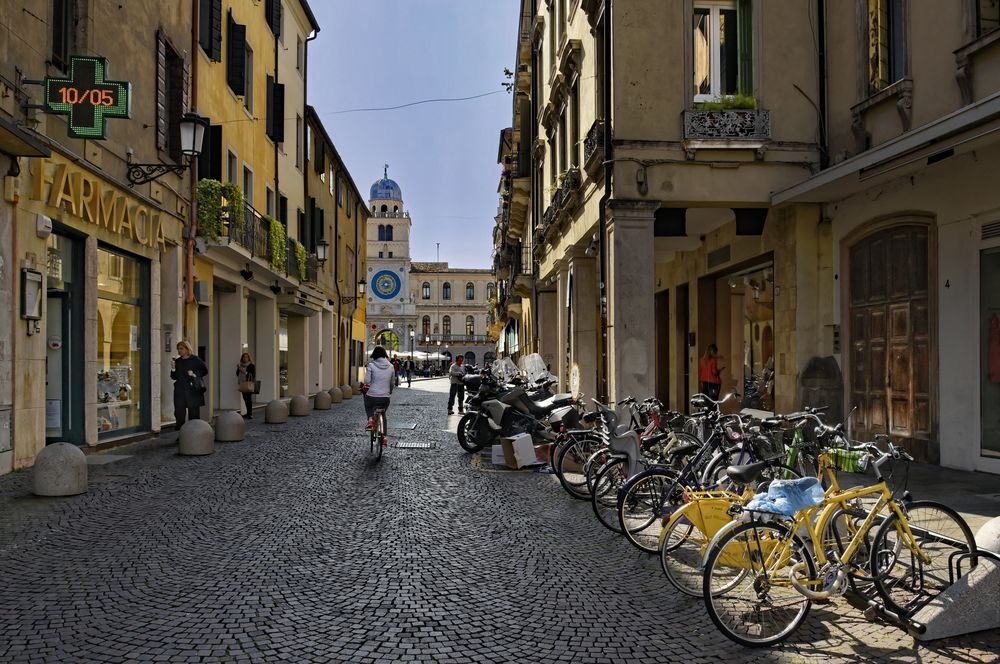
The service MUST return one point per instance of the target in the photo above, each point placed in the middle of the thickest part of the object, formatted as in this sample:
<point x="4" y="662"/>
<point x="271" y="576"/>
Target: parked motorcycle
<point x="508" y="414"/>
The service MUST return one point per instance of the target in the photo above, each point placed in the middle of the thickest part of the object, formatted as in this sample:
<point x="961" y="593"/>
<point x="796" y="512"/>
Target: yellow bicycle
<point x="761" y="575"/>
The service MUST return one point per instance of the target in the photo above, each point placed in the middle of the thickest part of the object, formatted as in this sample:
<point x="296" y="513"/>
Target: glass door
<point x="989" y="348"/>
<point x="64" y="421"/>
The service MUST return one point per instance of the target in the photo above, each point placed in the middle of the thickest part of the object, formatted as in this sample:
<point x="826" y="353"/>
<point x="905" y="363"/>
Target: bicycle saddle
<point x="747" y="473"/>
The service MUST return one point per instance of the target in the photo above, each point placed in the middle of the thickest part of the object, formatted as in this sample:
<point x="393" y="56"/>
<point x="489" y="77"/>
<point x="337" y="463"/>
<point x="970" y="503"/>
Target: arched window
<point x="373" y="209"/>
<point x="446" y="291"/>
<point x="470" y="291"/>
<point x="470" y="326"/>
<point x="381" y="232"/>
<point x="385" y="208"/>
<point x="425" y="326"/>
<point x="388" y="233"/>
<point x="489" y="320"/>
<point x="446" y="326"/>
<point x="395" y="209"/>
<point x="491" y="290"/>
<point x="470" y="357"/>
<point x="425" y="290"/>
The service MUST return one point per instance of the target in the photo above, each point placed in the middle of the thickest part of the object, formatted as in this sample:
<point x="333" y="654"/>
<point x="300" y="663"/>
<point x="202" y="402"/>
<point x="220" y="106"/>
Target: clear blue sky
<point x="377" y="53"/>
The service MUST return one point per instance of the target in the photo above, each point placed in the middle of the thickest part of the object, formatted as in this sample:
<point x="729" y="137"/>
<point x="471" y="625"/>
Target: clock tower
<point x="391" y="301"/>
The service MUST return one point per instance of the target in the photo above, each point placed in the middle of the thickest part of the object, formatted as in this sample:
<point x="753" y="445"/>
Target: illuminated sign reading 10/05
<point x="87" y="97"/>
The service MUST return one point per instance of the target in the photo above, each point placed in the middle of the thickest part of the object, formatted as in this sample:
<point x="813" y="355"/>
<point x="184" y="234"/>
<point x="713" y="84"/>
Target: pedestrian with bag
<point x="246" y="375"/>
<point x="456" y="374"/>
<point x="187" y="370"/>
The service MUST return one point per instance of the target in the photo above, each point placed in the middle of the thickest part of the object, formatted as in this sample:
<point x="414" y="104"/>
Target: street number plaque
<point x="88" y="97"/>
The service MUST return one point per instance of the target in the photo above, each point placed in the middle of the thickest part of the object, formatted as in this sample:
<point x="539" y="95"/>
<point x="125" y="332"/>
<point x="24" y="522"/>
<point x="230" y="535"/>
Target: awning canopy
<point x="18" y="142"/>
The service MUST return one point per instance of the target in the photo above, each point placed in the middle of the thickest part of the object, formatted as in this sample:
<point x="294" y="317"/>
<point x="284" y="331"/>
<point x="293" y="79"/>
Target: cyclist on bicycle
<point x="379" y="378"/>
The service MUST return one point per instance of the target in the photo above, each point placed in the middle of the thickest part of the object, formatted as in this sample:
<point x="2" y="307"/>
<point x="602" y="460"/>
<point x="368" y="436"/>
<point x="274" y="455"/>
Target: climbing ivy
<point x="277" y="232"/>
<point x="211" y="211"/>
<point x="300" y="258"/>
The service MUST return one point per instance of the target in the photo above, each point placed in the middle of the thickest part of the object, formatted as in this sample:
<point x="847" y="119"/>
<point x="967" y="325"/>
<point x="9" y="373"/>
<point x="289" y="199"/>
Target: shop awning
<point x="18" y="142"/>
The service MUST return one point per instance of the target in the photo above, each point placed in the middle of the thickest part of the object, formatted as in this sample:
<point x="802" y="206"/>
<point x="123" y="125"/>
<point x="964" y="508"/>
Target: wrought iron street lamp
<point x="192" y="133"/>
<point x="321" y="249"/>
<point x="359" y="296"/>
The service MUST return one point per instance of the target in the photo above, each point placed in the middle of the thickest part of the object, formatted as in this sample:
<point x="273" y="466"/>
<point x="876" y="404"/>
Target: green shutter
<point x="744" y="19"/>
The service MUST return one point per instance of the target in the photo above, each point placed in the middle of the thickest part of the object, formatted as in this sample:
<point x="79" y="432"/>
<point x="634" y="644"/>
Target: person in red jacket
<point x="709" y="372"/>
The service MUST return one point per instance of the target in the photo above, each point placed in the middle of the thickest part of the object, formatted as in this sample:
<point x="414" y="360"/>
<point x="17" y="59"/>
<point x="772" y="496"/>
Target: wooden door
<point x="663" y="347"/>
<point x="890" y="337"/>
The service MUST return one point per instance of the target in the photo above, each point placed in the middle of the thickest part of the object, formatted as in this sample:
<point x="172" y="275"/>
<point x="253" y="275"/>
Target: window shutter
<point x="269" y="106"/>
<point x="210" y="159"/>
<point x="236" y="56"/>
<point x="320" y="161"/>
<point x="278" y="126"/>
<point x="273" y="10"/>
<point x="162" y="124"/>
<point x="216" y="28"/>
<point x="744" y="19"/>
<point x="303" y="229"/>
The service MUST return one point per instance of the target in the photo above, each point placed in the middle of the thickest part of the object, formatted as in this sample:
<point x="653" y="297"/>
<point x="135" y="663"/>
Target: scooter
<point x="509" y="414"/>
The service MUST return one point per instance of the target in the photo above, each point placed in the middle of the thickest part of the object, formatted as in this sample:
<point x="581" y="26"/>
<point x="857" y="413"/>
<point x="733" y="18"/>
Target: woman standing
<point x="709" y="372"/>
<point x="186" y="371"/>
<point x="246" y="376"/>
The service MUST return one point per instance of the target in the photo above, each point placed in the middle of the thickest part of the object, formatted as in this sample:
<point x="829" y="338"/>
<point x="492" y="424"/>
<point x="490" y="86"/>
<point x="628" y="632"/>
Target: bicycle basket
<point x="848" y="461"/>
<point x="696" y="427"/>
<point x="769" y="445"/>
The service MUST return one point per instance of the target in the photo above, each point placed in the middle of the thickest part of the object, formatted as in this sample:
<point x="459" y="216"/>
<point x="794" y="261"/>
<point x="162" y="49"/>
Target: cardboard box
<point x="496" y="456"/>
<point x="518" y="451"/>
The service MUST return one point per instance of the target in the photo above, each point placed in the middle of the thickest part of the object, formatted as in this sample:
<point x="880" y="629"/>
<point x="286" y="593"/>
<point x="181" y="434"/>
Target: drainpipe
<point x="535" y="184"/>
<point x="193" y="222"/>
<point x="336" y="270"/>
<point x="603" y="214"/>
<point x="277" y="164"/>
<point x="824" y="147"/>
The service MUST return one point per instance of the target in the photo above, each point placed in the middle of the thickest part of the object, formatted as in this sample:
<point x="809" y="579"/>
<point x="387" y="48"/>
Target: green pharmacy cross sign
<point x="87" y="97"/>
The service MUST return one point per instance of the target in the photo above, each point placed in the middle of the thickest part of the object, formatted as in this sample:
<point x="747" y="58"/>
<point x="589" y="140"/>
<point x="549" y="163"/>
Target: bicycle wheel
<point x="373" y="434"/>
<point x="909" y="572"/>
<point x="380" y="429"/>
<point x="604" y="497"/>
<point x="643" y="506"/>
<point x="570" y="462"/>
<point x="681" y="555"/>
<point x="746" y="584"/>
<point x="594" y="465"/>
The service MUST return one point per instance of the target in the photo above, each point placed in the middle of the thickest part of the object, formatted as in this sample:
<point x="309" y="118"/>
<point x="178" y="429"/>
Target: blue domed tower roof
<point x="386" y="189"/>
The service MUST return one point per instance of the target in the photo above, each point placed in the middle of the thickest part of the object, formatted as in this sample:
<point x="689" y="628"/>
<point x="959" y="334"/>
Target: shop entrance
<point x="890" y="326"/>
<point x="64" y="361"/>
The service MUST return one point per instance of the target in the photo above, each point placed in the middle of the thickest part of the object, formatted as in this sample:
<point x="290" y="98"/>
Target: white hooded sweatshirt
<point x="379" y="377"/>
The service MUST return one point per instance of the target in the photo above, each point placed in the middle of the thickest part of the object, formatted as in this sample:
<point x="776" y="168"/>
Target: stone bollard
<point x="336" y="395"/>
<point x="196" y="438"/>
<point x="322" y="400"/>
<point x="988" y="537"/>
<point x="299" y="406"/>
<point x="346" y="391"/>
<point x="60" y="470"/>
<point x="230" y="427"/>
<point x="276" y="412"/>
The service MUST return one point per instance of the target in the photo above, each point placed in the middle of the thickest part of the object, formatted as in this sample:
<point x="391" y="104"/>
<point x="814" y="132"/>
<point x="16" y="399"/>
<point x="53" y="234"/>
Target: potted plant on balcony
<point x="300" y="260"/>
<point x="211" y="211"/>
<point x="277" y="233"/>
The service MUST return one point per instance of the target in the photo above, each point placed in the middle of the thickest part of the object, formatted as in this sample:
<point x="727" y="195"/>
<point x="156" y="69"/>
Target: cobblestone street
<point x="294" y="546"/>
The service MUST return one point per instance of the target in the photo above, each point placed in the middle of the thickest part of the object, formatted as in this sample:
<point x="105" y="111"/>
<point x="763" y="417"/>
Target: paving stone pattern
<point x="294" y="546"/>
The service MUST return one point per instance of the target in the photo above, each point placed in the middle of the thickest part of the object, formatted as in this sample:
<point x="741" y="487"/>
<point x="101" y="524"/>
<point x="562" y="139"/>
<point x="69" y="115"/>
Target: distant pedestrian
<point x="395" y="369"/>
<point x="410" y="368"/>
<point x="456" y="374"/>
<point x="246" y="376"/>
<point x="709" y="372"/>
<point x="187" y="371"/>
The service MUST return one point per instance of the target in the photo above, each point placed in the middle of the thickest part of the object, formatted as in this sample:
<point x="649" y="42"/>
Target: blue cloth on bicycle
<point x="786" y="497"/>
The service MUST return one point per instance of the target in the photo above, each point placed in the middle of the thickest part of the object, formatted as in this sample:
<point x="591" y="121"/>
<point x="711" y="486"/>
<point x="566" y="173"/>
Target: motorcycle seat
<point x="554" y="401"/>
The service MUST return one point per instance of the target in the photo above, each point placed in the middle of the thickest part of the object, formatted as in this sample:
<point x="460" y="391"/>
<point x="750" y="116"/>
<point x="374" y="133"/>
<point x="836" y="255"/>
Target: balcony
<point x="564" y="202"/>
<point x="593" y="149"/>
<point x="736" y="124"/>
<point x="250" y="233"/>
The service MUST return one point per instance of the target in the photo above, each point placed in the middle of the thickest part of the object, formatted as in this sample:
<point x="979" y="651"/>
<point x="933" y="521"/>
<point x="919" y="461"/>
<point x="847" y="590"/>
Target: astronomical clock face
<point x="387" y="285"/>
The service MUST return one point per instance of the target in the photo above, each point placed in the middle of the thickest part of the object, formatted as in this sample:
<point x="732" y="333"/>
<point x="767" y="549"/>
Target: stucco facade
<point x="832" y="233"/>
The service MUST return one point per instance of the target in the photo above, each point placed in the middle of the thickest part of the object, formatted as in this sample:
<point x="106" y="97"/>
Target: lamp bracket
<point x="143" y="173"/>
